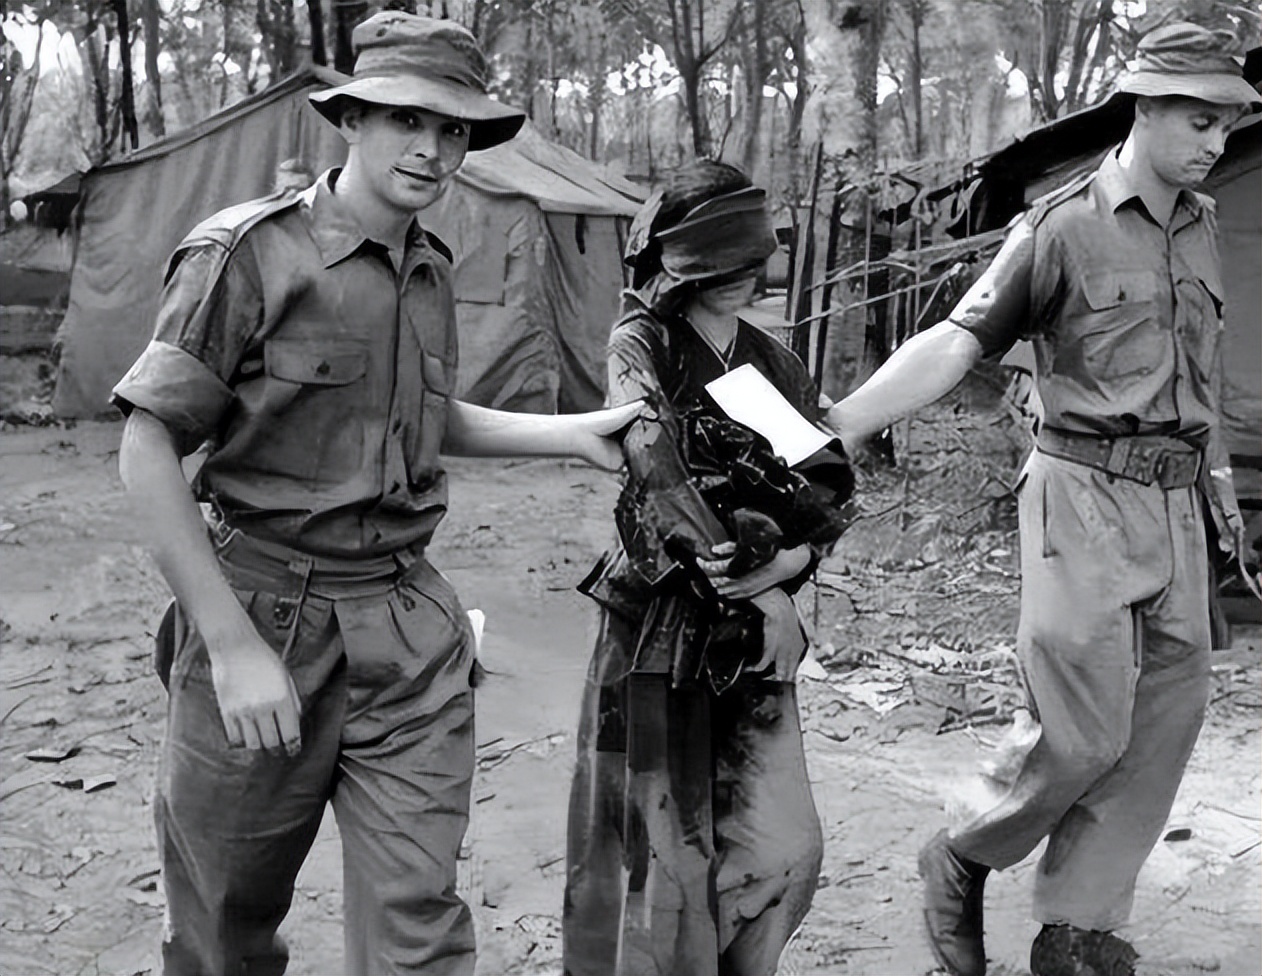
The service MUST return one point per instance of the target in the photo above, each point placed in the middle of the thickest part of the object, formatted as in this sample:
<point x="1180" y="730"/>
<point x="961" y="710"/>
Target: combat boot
<point x="1062" y="950"/>
<point x="953" y="907"/>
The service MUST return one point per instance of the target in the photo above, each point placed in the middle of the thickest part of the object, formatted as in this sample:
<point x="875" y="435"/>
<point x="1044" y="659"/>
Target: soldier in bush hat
<point x="1115" y="279"/>
<point x="313" y="654"/>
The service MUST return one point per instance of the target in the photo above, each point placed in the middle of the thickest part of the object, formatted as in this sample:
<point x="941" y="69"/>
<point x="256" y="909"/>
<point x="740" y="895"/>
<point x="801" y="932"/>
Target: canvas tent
<point x="34" y="266"/>
<point x="535" y="229"/>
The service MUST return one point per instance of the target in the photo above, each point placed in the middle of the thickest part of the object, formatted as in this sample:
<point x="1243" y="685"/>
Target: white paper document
<point x="748" y="397"/>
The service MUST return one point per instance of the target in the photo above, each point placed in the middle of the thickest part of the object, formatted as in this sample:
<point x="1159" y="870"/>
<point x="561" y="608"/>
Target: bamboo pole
<point x="806" y="270"/>
<point x="830" y="261"/>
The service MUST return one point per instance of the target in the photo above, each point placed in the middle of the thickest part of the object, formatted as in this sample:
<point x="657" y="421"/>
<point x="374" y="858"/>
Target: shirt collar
<point x="1117" y="188"/>
<point x="336" y="232"/>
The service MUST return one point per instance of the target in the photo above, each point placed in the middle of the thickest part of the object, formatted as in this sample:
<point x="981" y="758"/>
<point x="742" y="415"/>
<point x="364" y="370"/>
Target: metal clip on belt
<point x="1149" y="459"/>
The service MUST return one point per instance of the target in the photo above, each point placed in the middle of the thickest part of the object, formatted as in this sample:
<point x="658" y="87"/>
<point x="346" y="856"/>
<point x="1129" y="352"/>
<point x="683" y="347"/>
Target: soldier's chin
<point x="418" y="196"/>
<point x="1197" y="172"/>
<point x="435" y="193"/>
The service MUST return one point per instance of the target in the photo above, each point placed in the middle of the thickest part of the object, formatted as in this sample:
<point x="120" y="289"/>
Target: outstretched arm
<point x="474" y="431"/>
<point x="922" y="370"/>
<point x="992" y="315"/>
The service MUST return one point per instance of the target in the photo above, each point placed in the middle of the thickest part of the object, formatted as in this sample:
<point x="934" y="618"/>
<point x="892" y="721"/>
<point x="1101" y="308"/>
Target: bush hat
<point x="1190" y="60"/>
<point x="406" y="60"/>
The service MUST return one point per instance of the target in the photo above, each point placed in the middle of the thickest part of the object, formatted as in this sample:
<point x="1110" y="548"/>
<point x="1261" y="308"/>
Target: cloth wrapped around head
<point x="705" y="226"/>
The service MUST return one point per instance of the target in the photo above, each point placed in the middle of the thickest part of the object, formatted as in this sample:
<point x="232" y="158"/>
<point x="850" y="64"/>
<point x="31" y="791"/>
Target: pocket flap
<point x="1108" y="289"/>
<point x="434" y="372"/>
<point x="1214" y="286"/>
<point x="322" y="363"/>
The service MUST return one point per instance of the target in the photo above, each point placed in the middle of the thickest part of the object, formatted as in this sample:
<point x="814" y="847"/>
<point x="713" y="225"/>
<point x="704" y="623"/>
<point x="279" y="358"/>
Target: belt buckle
<point x="1177" y="470"/>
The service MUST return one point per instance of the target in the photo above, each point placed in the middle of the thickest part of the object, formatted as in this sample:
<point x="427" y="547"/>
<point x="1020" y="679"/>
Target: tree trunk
<point x="127" y="99"/>
<point x="797" y="111"/>
<point x="597" y="94"/>
<point x="288" y="40"/>
<point x="914" y="73"/>
<point x="150" y="21"/>
<point x="696" y="114"/>
<point x="275" y="20"/>
<point x="100" y="93"/>
<point x="1104" y="17"/>
<point x="263" y="19"/>
<point x="866" y="64"/>
<point x="689" y="66"/>
<point x="756" y="70"/>
<point x="13" y="123"/>
<point x="345" y="17"/>
<point x="315" y="20"/>
<point x="1051" y="43"/>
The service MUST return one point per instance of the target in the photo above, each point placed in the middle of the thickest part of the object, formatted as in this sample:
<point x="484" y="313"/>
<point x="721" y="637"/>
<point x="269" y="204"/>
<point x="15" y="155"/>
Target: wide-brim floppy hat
<point x="1192" y="61"/>
<point x="410" y="61"/>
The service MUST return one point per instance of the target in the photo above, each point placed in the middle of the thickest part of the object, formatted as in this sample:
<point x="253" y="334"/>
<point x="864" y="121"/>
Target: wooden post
<point x="826" y="302"/>
<point x="806" y="270"/>
<point x="793" y="264"/>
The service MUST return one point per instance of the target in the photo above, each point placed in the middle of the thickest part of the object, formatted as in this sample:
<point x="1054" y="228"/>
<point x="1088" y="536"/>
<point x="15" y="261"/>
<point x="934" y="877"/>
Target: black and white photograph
<point x="630" y="488"/>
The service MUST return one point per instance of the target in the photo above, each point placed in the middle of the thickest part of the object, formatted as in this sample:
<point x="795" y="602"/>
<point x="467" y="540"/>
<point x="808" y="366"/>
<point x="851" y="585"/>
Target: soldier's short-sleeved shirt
<point x="1124" y="314"/>
<point x="318" y="372"/>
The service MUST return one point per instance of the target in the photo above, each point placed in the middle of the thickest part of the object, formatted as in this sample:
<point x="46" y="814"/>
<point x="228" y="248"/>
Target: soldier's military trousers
<point x="381" y="655"/>
<point x="1114" y="641"/>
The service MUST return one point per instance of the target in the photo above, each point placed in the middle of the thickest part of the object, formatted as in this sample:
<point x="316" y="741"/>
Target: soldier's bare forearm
<point x="922" y="370"/>
<point x="474" y="431"/>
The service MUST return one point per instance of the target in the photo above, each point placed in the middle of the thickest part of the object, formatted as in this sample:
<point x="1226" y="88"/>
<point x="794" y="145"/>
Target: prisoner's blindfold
<point x="723" y="236"/>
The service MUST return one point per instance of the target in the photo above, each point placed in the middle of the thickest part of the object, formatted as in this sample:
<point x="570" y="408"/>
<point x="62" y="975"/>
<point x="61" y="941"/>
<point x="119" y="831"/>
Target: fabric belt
<point x="1149" y="459"/>
<point x="256" y="564"/>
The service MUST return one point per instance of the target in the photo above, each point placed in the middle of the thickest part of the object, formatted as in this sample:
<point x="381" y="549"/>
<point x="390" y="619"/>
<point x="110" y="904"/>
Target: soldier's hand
<point x="258" y="702"/>
<point x="1238" y="546"/>
<point x="783" y="641"/>
<point x="595" y="435"/>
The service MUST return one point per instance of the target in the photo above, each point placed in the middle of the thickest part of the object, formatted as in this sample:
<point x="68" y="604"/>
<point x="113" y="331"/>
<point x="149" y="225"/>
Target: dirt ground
<point x="914" y="630"/>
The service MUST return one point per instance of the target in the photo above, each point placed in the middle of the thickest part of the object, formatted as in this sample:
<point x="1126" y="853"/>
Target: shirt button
<point x="323" y="369"/>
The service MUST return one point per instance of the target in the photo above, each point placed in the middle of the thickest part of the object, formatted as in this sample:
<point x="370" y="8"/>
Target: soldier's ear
<point x="351" y="121"/>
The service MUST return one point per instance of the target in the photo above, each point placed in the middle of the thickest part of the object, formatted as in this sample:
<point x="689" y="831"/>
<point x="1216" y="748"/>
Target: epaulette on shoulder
<point x="228" y="226"/>
<point x="436" y="243"/>
<point x="1048" y="202"/>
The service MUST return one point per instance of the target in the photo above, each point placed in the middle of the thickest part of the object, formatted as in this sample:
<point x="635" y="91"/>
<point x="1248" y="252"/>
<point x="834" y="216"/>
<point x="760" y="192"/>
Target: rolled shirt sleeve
<point x="997" y="308"/>
<point x="211" y="308"/>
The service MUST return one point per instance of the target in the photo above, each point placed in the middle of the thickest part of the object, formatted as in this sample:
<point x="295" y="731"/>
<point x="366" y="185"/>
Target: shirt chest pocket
<point x="1117" y="326"/>
<point x="315" y="363"/>
<point x="309" y="415"/>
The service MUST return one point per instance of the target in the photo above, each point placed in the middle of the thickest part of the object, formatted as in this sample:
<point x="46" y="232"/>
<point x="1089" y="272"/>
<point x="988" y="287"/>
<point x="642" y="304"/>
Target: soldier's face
<point x="407" y="155"/>
<point x="1183" y="137"/>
